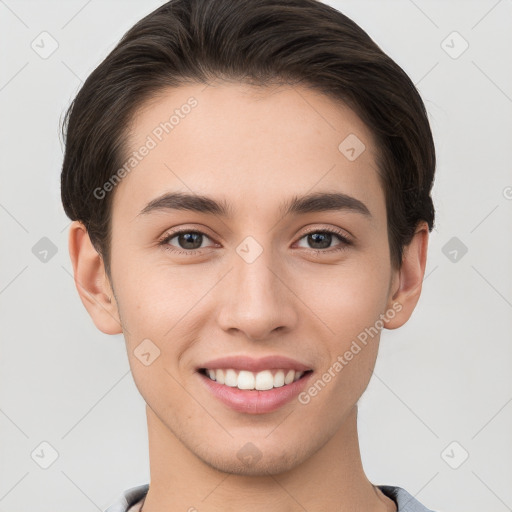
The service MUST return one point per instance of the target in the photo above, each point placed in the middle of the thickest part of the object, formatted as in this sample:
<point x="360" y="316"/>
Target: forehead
<point x="251" y="147"/>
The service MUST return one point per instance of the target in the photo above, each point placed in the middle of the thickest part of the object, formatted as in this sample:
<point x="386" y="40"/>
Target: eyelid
<point x="346" y="239"/>
<point x="169" y="235"/>
<point x="170" y="232"/>
<point x="200" y="229"/>
<point x="331" y="229"/>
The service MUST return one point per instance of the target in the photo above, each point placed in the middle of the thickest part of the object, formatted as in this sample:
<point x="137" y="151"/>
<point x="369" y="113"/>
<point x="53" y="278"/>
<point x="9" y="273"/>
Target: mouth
<point x="256" y="381"/>
<point x="252" y="385"/>
<point x="258" y="392"/>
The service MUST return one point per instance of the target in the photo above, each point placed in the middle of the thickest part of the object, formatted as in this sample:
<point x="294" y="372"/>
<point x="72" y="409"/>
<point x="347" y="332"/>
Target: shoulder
<point x="405" y="502"/>
<point x="129" y="498"/>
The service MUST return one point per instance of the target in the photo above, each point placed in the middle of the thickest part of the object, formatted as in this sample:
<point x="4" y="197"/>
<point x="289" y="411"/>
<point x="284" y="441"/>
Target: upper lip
<point x="254" y="365"/>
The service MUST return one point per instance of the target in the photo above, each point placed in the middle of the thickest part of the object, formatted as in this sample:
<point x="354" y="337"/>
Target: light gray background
<point x="444" y="377"/>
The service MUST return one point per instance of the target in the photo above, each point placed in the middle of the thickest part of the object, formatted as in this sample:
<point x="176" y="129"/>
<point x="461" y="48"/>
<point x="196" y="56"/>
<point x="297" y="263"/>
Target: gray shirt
<point x="131" y="499"/>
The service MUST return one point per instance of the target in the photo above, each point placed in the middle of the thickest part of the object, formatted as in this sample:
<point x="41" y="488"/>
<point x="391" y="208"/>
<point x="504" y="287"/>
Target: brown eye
<point x="320" y="240"/>
<point x="187" y="240"/>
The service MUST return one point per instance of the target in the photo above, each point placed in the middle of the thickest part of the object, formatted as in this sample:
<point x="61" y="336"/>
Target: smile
<point x="260" y="381"/>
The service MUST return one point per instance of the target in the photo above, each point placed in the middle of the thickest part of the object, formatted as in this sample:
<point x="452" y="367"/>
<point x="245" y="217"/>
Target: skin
<point x="253" y="147"/>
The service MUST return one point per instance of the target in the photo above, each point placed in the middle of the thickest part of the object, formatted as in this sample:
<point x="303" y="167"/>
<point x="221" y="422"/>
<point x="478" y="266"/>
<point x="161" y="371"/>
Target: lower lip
<point x="252" y="401"/>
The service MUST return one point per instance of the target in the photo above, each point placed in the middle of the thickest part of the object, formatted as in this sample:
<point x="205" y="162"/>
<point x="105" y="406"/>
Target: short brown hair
<point x="259" y="42"/>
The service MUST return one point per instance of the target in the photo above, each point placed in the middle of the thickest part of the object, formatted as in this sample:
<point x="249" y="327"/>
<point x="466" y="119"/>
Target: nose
<point x="258" y="300"/>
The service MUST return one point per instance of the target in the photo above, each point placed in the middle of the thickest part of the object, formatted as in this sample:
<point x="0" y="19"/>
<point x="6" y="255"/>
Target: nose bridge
<point x="256" y="302"/>
<point x="255" y="282"/>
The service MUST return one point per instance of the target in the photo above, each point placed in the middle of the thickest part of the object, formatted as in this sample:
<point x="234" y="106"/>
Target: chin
<point x="249" y="461"/>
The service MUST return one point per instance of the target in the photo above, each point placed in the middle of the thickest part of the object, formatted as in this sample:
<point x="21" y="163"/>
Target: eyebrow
<point x="310" y="203"/>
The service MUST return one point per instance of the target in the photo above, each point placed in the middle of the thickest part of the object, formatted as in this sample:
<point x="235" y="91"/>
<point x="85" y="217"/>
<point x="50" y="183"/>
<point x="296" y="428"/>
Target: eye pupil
<point x="315" y="237"/>
<point x="190" y="238"/>
<point x="191" y="241"/>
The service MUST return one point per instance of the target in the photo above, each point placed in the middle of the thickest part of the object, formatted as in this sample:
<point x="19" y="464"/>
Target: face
<point x="256" y="280"/>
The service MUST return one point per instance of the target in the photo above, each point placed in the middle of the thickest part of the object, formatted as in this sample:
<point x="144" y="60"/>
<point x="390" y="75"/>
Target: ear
<point x="407" y="281"/>
<point x="92" y="282"/>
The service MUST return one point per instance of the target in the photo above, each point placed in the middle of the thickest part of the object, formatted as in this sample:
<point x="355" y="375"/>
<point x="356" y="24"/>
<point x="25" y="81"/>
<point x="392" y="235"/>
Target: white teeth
<point x="279" y="379"/>
<point x="231" y="378"/>
<point x="264" y="380"/>
<point x="246" y="380"/>
<point x="289" y="377"/>
<point x="261" y="381"/>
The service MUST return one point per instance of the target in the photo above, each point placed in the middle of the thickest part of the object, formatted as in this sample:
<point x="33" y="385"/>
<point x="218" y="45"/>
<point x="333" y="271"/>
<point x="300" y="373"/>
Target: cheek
<point x="158" y="330"/>
<point x="349" y="302"/>
<point x="165" y="306"/>
<point x="350" y="307"/>
<point x="157" y="301"/>
<point x="346" y="298"/>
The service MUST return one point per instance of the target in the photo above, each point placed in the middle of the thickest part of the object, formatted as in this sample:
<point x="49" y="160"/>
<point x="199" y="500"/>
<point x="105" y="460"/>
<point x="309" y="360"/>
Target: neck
<point x="332" y="479"/>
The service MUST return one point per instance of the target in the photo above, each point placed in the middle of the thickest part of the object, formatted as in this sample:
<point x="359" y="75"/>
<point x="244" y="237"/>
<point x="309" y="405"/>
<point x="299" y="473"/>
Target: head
<point x="267" y="113"/>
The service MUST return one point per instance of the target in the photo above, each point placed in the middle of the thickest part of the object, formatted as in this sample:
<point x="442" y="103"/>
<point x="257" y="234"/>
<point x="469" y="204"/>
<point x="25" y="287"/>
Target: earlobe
<point x="91" y="281"/>
<point x="405" y="296"/>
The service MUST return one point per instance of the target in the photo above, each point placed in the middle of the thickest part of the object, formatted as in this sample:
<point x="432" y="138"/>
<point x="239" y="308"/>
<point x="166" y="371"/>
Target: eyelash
<point x="193" y="252"/>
